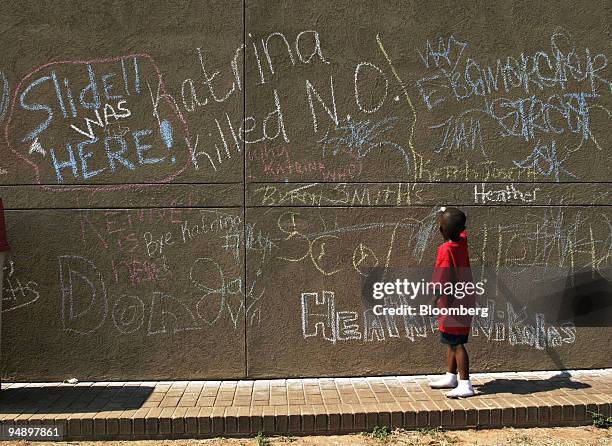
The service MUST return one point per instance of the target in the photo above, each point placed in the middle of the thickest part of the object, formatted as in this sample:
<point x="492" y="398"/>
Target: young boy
<point x="453" y="266"/>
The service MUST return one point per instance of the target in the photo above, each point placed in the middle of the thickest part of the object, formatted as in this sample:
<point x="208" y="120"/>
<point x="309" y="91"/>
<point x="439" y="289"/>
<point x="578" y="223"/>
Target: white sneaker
<point x="447" y="381"/>
<point x="464" y="389"/>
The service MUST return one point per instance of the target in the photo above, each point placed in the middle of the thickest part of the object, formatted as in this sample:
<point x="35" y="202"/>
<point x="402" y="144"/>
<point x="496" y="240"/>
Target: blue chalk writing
<point x="540" y="70"/>
<point x="449" y="52"/>
<point x="5" y="96"/>
<point x="87" y="174"/>
<point x="544" y="160"/>
<point x="141" y="149"/>
<point x="165" y="129"/>
<point x="457" y="136"/>
<point x="107" y="86"/>
<point x="59" y="165"/>
<point x="125" y="78"/>
<point x="427" y="94"/>
<point x="58" y="92"/>
<point x="114" y="156"/>
<point x="73" y="109"/>
<point x="360" y="138"/>
<point x="93" y="88"/>
<point x="136" y="76"/>
<point x="34" y="107"/>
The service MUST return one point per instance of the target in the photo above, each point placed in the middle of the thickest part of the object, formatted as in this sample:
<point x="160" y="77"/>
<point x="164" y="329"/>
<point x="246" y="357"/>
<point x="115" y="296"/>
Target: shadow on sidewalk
<point x="63" y="399"/>
<point x="528" y="386"/>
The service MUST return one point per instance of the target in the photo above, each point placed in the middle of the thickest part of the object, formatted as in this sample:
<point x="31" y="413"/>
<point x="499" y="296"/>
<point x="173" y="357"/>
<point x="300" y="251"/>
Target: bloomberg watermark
<point x="405" y="288"/>
<point x="556" y="295"/>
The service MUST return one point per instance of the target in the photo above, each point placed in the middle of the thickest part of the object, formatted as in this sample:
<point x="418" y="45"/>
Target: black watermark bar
<point x="560" y="295"/>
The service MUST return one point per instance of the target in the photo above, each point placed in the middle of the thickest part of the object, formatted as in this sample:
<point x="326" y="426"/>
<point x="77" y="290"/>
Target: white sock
<point x="463" y="390"/>
<point x="464" y="384"/>
<point x="448" y="381"/>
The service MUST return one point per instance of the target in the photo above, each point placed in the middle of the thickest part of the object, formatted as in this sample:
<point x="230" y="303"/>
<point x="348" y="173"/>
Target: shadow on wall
<point x="529" y="386"/>
<point x="583" y="298"/>
<point x="587" y="300"/>
<point x="59" y="398"/>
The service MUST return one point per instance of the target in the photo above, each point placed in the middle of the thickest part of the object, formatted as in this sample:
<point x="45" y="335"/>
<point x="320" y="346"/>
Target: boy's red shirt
<point x="4" y="246"/>
<point x="453" y="265"/>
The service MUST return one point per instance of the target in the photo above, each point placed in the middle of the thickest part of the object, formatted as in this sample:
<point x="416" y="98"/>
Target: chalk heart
<point x="98" y="121"/>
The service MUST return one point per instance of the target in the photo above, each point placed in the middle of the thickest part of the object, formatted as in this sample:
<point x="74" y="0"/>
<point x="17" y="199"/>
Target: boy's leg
<point x="464" y="386"/>
<point x="462" y="362"/>
<point x="451" y="360"/>
<point x="449" y="380"/>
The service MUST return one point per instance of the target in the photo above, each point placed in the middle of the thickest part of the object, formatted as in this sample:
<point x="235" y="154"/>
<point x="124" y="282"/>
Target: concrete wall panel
<point x="275" y="147"/>
<point x="318" y="256"/>
<point x="124" y="294"/>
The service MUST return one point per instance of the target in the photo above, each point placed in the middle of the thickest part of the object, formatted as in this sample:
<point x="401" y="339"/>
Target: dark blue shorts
<point x="453" y="339"/>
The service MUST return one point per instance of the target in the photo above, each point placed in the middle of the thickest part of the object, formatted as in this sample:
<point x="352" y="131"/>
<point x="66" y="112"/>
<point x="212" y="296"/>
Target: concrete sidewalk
<point x="177" y="409"/>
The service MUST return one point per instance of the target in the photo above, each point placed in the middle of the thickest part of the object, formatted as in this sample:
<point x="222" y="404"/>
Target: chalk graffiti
<point x="83" y="294"/>
<point x="341" y="194"/>
<point x="320" y="319"/>
<point x="313" y="115"/>
<point x="551" y="239"/>
<point x="544" y="160"/>
<point x="128" y="314"/>
<point x="6" y="92"/>
<point x="321" y="247"/>
<point x="361" y="138"/>
<point x="77" y="88"/>
<point x="17" y="292"/>
<point x="145" y="246"/>
<point x="555" y="92"/>
<point x="482" y="194"/>
<point x="519" y="328"/>
<point x="86" y="301"/>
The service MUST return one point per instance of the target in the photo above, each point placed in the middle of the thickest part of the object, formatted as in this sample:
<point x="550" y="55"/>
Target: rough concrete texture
<point x="194" y="189"/>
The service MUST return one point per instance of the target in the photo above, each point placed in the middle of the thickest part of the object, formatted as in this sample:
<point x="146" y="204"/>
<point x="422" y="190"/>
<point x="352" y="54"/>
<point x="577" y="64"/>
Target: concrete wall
<point x="272" y="150"/>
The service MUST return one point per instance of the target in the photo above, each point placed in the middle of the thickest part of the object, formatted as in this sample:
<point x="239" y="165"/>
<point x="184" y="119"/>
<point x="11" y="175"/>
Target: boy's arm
<point x="441" y="273"/>
<point x="433" y="300"/>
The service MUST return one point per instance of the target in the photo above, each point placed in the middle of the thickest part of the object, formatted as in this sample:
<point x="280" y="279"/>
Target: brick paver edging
<point x="190" y="409"/>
